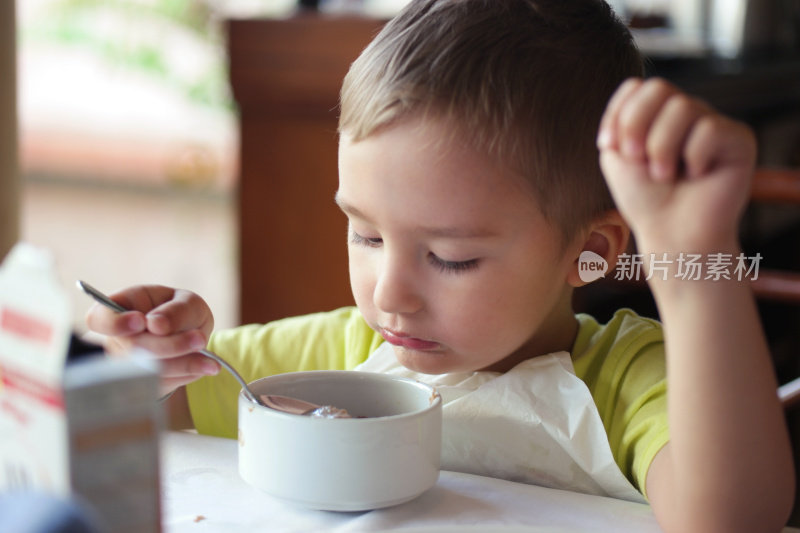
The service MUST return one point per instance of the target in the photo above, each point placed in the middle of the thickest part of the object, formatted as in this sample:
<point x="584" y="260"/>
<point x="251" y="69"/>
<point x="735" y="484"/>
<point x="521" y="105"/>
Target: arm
<point x="680" y="173"/>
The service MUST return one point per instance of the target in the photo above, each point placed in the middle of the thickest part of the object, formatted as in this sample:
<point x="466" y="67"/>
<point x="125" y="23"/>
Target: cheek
<point x="475" y="316"/>
<point x="362" y="281"/>
<point x="513" y="306"/>
<point x="536" y="292"/>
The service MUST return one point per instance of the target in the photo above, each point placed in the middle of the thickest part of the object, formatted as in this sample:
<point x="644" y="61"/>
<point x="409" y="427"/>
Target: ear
<point x="607" y="236"/>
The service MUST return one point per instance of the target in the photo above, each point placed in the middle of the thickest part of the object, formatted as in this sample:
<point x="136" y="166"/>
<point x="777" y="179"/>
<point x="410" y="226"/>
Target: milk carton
<point x="87" y="428"/>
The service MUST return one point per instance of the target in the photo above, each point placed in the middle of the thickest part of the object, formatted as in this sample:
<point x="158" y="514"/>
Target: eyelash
<point x="448" y="267"/>
<point x="452" y="267"/>
<point x="355" y="238"/>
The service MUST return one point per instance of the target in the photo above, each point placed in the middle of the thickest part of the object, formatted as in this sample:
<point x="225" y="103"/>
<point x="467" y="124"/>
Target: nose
<point x="397" y="287"/>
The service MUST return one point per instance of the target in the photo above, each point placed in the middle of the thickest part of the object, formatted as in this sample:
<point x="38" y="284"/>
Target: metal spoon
<point x="296" y="406"/>
<point x="108" y="302"/>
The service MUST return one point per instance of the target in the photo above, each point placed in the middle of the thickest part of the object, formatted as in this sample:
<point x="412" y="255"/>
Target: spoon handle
<point x="222" y="362"/>
<point x="100" y="297"/>
<point x="108" y="302"/>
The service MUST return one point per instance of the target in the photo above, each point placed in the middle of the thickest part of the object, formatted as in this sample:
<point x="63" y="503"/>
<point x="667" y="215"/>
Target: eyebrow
<point x="442" y="232"/>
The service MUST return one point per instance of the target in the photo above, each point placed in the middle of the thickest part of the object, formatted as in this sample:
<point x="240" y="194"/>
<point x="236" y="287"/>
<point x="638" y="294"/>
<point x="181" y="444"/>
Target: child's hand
<point x="679" y="172"/>
<point x="172" y="323"/>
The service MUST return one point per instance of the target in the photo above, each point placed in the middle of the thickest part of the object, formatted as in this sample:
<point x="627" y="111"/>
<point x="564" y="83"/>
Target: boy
<point x="470" y="178"/>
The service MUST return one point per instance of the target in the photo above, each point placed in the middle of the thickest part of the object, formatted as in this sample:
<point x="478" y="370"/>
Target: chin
<point x="425" y="362"/>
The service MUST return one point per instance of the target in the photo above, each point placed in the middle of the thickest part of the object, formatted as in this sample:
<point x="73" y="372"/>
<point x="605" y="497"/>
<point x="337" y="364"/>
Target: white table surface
<point x="202" y="491"/>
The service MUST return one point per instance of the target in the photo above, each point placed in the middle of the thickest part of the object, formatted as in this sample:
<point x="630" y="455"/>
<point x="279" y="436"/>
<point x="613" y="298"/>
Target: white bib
<point x="536" y="424"/>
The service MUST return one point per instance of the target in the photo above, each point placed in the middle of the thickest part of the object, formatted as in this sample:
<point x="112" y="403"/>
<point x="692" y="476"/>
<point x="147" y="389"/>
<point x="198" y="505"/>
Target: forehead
<point x="422" y="169"/>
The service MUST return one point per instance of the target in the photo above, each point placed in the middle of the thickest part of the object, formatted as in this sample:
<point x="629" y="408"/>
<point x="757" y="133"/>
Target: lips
<point x="404" y="340"/>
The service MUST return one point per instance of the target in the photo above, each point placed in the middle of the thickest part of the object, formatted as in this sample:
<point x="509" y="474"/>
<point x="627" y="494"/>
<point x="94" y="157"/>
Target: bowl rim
<point x="435" y="399"/>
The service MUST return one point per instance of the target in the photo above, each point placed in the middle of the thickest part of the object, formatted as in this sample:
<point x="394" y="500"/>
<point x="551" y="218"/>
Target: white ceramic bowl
<point x="343" y="464"/>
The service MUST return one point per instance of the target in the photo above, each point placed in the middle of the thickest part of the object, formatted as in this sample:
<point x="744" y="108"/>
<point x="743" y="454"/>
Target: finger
<point x="182" y="373"/>
<point x="143" y="298"/>
<point x="168" y="310"/>
<point x="607" y="133"/>
<point x="168" y="385"/>
<point x="191" y="366"/>
<point x="624" y="179"/>
<point x="114" y="346"/>
<point x="166" y="346"/>
<point x="638" y="114"/>
<point x="105" y="321"/>
<point x="717" y="141"/>
<point x="184" y="311"/>
<point x="668" y="135"/>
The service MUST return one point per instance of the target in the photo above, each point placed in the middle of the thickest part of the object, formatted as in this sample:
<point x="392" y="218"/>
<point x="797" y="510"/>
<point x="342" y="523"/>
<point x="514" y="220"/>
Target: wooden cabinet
<point x="286" y="76"/>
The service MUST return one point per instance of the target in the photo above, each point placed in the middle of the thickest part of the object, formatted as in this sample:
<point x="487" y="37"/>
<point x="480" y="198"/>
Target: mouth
<point x="404" y="340"/>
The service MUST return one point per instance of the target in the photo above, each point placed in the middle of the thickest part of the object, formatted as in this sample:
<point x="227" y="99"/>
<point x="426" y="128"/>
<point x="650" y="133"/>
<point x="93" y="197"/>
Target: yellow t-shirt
<point x="621" y="362"/>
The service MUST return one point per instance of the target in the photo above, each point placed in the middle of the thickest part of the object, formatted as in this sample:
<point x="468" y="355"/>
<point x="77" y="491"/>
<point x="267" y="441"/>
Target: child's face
<point x="451" y="259"/>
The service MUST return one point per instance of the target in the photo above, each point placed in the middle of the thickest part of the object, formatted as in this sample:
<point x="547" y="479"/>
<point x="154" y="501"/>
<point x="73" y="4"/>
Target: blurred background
<point x="127" y="140"/>
<point x="127" y="145"/>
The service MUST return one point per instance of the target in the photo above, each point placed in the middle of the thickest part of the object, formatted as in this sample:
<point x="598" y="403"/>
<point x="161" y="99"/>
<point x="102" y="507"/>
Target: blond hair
<point x="523" y="80"/>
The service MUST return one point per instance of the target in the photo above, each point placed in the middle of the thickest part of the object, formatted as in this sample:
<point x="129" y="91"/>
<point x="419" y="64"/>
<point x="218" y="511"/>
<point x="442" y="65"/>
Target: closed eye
<point x="372" y="242"/>
<point x="442" y="265"/>
<point x="452" y="267"/>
